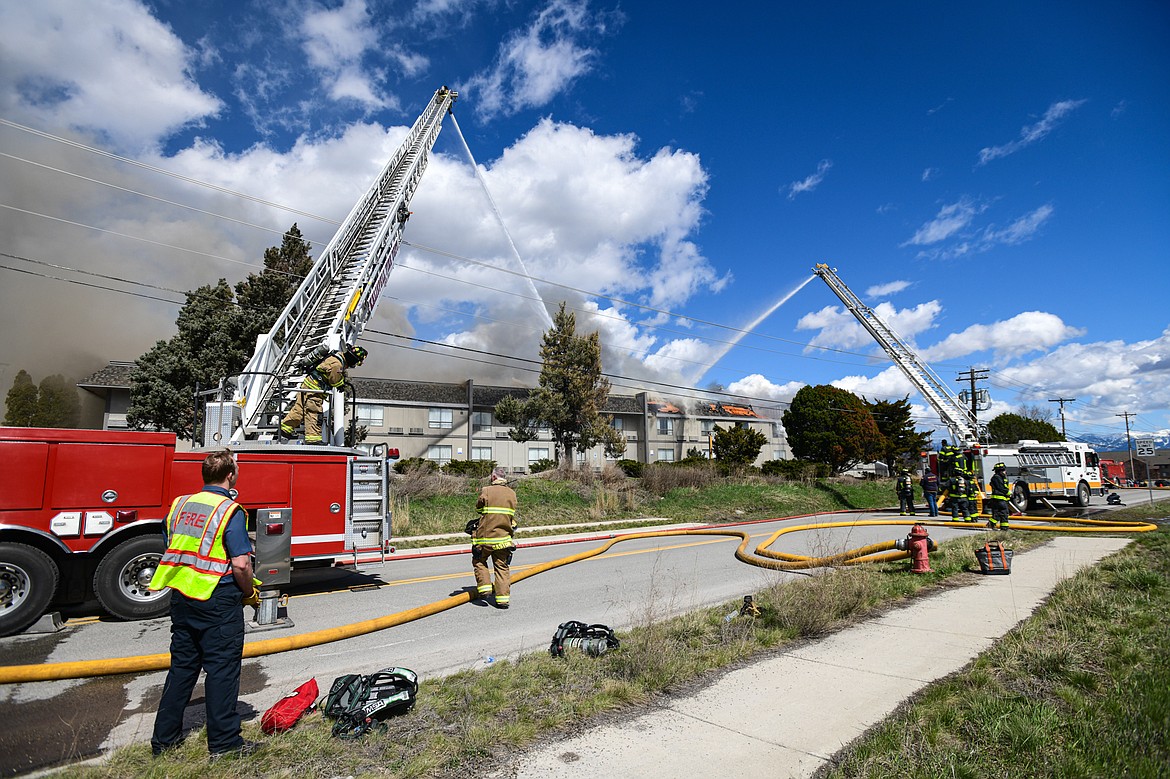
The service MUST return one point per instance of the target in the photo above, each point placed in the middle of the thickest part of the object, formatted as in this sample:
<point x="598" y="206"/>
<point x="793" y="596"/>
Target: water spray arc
<point x="541" y="309"/>
<point x="727" y="347"/>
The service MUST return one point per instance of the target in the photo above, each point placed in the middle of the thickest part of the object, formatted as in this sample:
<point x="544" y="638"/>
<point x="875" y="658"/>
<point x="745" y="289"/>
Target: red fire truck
<point x="81" y="514"/>
<point x="1113" y="473"/>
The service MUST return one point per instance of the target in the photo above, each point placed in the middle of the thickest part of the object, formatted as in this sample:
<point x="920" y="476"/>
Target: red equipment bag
<point x="286" y="711"/>
<point x="994" y="559"/>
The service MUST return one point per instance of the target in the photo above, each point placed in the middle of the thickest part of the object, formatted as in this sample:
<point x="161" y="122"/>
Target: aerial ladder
<point x="960" y="420"/>
<point x="338" y="296"/>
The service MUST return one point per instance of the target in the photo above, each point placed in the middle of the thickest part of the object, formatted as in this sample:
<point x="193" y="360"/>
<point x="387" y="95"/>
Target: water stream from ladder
<point x="727" y="347"/>
<point x="538" y="303"/>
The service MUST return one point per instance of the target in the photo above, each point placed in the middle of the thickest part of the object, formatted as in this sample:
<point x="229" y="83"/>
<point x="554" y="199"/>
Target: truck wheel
<point x="1020" y="498"/>
<point x="28" y="581"/>
<point x="123" y="576"/>
<point x="1082" y="498"/>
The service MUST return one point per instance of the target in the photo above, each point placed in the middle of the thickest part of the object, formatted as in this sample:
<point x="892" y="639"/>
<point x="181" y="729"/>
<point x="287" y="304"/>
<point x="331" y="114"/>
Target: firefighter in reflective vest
<point x="998" y="500"/>
<point x="330" y="373"/>
<point x="492" y="539"/>
<point x="208" y="567"/>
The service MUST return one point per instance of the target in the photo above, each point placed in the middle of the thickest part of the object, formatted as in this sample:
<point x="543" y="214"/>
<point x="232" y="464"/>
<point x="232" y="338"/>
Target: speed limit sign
<point x="1145" y="447"/>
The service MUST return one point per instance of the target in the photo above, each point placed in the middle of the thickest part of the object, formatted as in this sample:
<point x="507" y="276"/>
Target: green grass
<point x="1080" y="689"/>
<point x="552" y="502"/>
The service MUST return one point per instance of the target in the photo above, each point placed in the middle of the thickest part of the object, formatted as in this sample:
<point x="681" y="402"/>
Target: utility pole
<point x="1062" y="401"/>
<point x="1129" y="443"/>
<point x="972" y="375"/>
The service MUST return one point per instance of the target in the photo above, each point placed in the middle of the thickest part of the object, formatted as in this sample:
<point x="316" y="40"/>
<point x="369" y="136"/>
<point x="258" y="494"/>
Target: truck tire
<point x="28" y="581"/>
<point x="121" y="580"/>
<point x="1082" y="498"/>
<point x="1020" y="498"/>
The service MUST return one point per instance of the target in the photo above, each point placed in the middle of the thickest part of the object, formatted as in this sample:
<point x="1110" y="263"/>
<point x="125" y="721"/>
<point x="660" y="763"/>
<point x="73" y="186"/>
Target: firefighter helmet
<point x="355" y="355"/>
<point x="998" y="466"/>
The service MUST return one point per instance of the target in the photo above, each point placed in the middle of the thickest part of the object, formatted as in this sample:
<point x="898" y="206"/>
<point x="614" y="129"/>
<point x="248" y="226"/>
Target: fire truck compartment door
<point x="97" y="475"/>
<point x="22" y="479"/>
<point x="273" y="546"/>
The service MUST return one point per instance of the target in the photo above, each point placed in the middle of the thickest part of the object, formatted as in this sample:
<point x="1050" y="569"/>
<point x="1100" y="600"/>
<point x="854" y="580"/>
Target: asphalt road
<point x="634" y="583"/>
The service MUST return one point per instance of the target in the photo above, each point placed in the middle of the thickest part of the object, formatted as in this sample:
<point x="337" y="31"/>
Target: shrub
<point x="796" y="470"/>
<point x="661" y="478"/>
<point x="541" y="465"/>
<point x="631" y="468"/>
<point x="477" y="469"/>
<point x="415" y="464"/>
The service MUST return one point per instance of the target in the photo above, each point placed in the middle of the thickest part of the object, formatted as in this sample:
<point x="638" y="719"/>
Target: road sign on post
<point x="1145" y="447"/>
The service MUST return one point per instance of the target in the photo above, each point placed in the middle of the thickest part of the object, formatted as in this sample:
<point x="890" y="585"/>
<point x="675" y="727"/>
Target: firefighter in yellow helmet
<point x="330" y="373"/>
<point x="492" y="539"/>
<point x="999" y="500"/>
<point x="208" y="567"/>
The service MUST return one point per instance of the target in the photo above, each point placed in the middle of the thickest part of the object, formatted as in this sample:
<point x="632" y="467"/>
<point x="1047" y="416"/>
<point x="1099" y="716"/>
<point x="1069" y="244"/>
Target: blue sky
<point x="991" y="178"/>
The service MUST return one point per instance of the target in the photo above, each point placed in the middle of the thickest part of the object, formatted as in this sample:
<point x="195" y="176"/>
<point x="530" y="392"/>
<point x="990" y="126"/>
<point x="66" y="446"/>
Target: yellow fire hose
<point x="762" y="557"/>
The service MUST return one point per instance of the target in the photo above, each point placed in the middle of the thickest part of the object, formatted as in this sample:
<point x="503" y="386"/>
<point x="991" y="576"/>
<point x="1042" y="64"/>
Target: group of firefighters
<point x="960" y="489"/>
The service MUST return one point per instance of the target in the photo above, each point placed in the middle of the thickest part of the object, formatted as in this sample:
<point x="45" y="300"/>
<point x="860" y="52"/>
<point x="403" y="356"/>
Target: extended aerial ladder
<point x="961" y="422"/>
<point x="339" y="295"/>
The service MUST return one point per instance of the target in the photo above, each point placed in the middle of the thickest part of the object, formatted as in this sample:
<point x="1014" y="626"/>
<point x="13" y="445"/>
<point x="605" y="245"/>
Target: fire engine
<point x="1113" y="473"/>
<point x="1040" y="472"/>
<point x="1063" y="470"/>
<point x="81" y="511"/>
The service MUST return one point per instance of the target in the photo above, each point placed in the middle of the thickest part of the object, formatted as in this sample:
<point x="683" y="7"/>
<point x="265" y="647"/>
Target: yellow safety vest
<point x="195" y="560"/>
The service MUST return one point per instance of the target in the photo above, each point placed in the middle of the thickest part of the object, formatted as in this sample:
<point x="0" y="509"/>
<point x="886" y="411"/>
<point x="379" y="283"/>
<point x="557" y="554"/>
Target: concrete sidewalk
<point x="786" y="716"/>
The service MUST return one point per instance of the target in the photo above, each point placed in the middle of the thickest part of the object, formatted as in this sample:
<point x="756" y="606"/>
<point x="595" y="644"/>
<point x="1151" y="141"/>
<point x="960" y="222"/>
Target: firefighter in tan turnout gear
<point x="328" y="374"/>
<point x="492" y="539"/>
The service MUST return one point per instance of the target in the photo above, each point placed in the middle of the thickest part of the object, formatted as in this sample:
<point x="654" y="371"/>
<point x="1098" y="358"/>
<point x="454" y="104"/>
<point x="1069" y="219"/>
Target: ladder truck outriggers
<point x="81" y="511"/>
<point x="1038" y="471"/>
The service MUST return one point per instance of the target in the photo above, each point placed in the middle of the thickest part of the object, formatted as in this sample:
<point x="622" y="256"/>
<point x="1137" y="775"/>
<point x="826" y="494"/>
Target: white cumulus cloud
<point x="536" y="64"/>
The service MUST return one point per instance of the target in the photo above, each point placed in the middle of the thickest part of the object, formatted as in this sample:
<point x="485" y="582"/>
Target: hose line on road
<point x="761" y="557"/>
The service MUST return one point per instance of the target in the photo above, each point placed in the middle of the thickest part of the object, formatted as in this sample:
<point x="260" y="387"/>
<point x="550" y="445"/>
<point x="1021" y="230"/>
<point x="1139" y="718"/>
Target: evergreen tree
<point x="831" y="425"/>
<point x="263" y="296"/>
<point x="162" y="385"/>
<point x="1010" y="428"/>
<point x="902" y="442"/>
<point x="216" y="337"/>
<point x="737" y="446"/>
<point x="570" y="396"/>
<point x="57" y="403"/>
<point x="21" y="401"/>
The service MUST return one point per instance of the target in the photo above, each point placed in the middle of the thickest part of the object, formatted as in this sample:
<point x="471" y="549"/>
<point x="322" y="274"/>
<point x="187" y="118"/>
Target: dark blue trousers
<point x="209" y="636"/>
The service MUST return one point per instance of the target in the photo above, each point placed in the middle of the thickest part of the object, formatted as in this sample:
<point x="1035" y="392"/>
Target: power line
<point x="164" y="171"/>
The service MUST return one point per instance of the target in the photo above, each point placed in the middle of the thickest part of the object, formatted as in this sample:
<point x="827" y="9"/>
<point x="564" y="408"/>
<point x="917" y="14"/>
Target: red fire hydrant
<point x="919" y="544"/>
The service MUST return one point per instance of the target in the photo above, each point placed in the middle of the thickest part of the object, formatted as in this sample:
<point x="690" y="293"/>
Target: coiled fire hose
<point x="761" y="557"/>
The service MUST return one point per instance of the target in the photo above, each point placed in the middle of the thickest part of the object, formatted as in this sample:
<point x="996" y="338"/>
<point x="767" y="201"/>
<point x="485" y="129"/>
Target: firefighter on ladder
<point x="492" y="539"/>
<point x="330" y="373"/>
<point x="1000" y="497"/>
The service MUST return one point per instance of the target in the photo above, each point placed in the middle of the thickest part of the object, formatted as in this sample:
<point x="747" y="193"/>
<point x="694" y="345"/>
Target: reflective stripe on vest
<point x="195" y="560"/>
<point x="497" y="510"/>
<point x="494" y="543"/>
